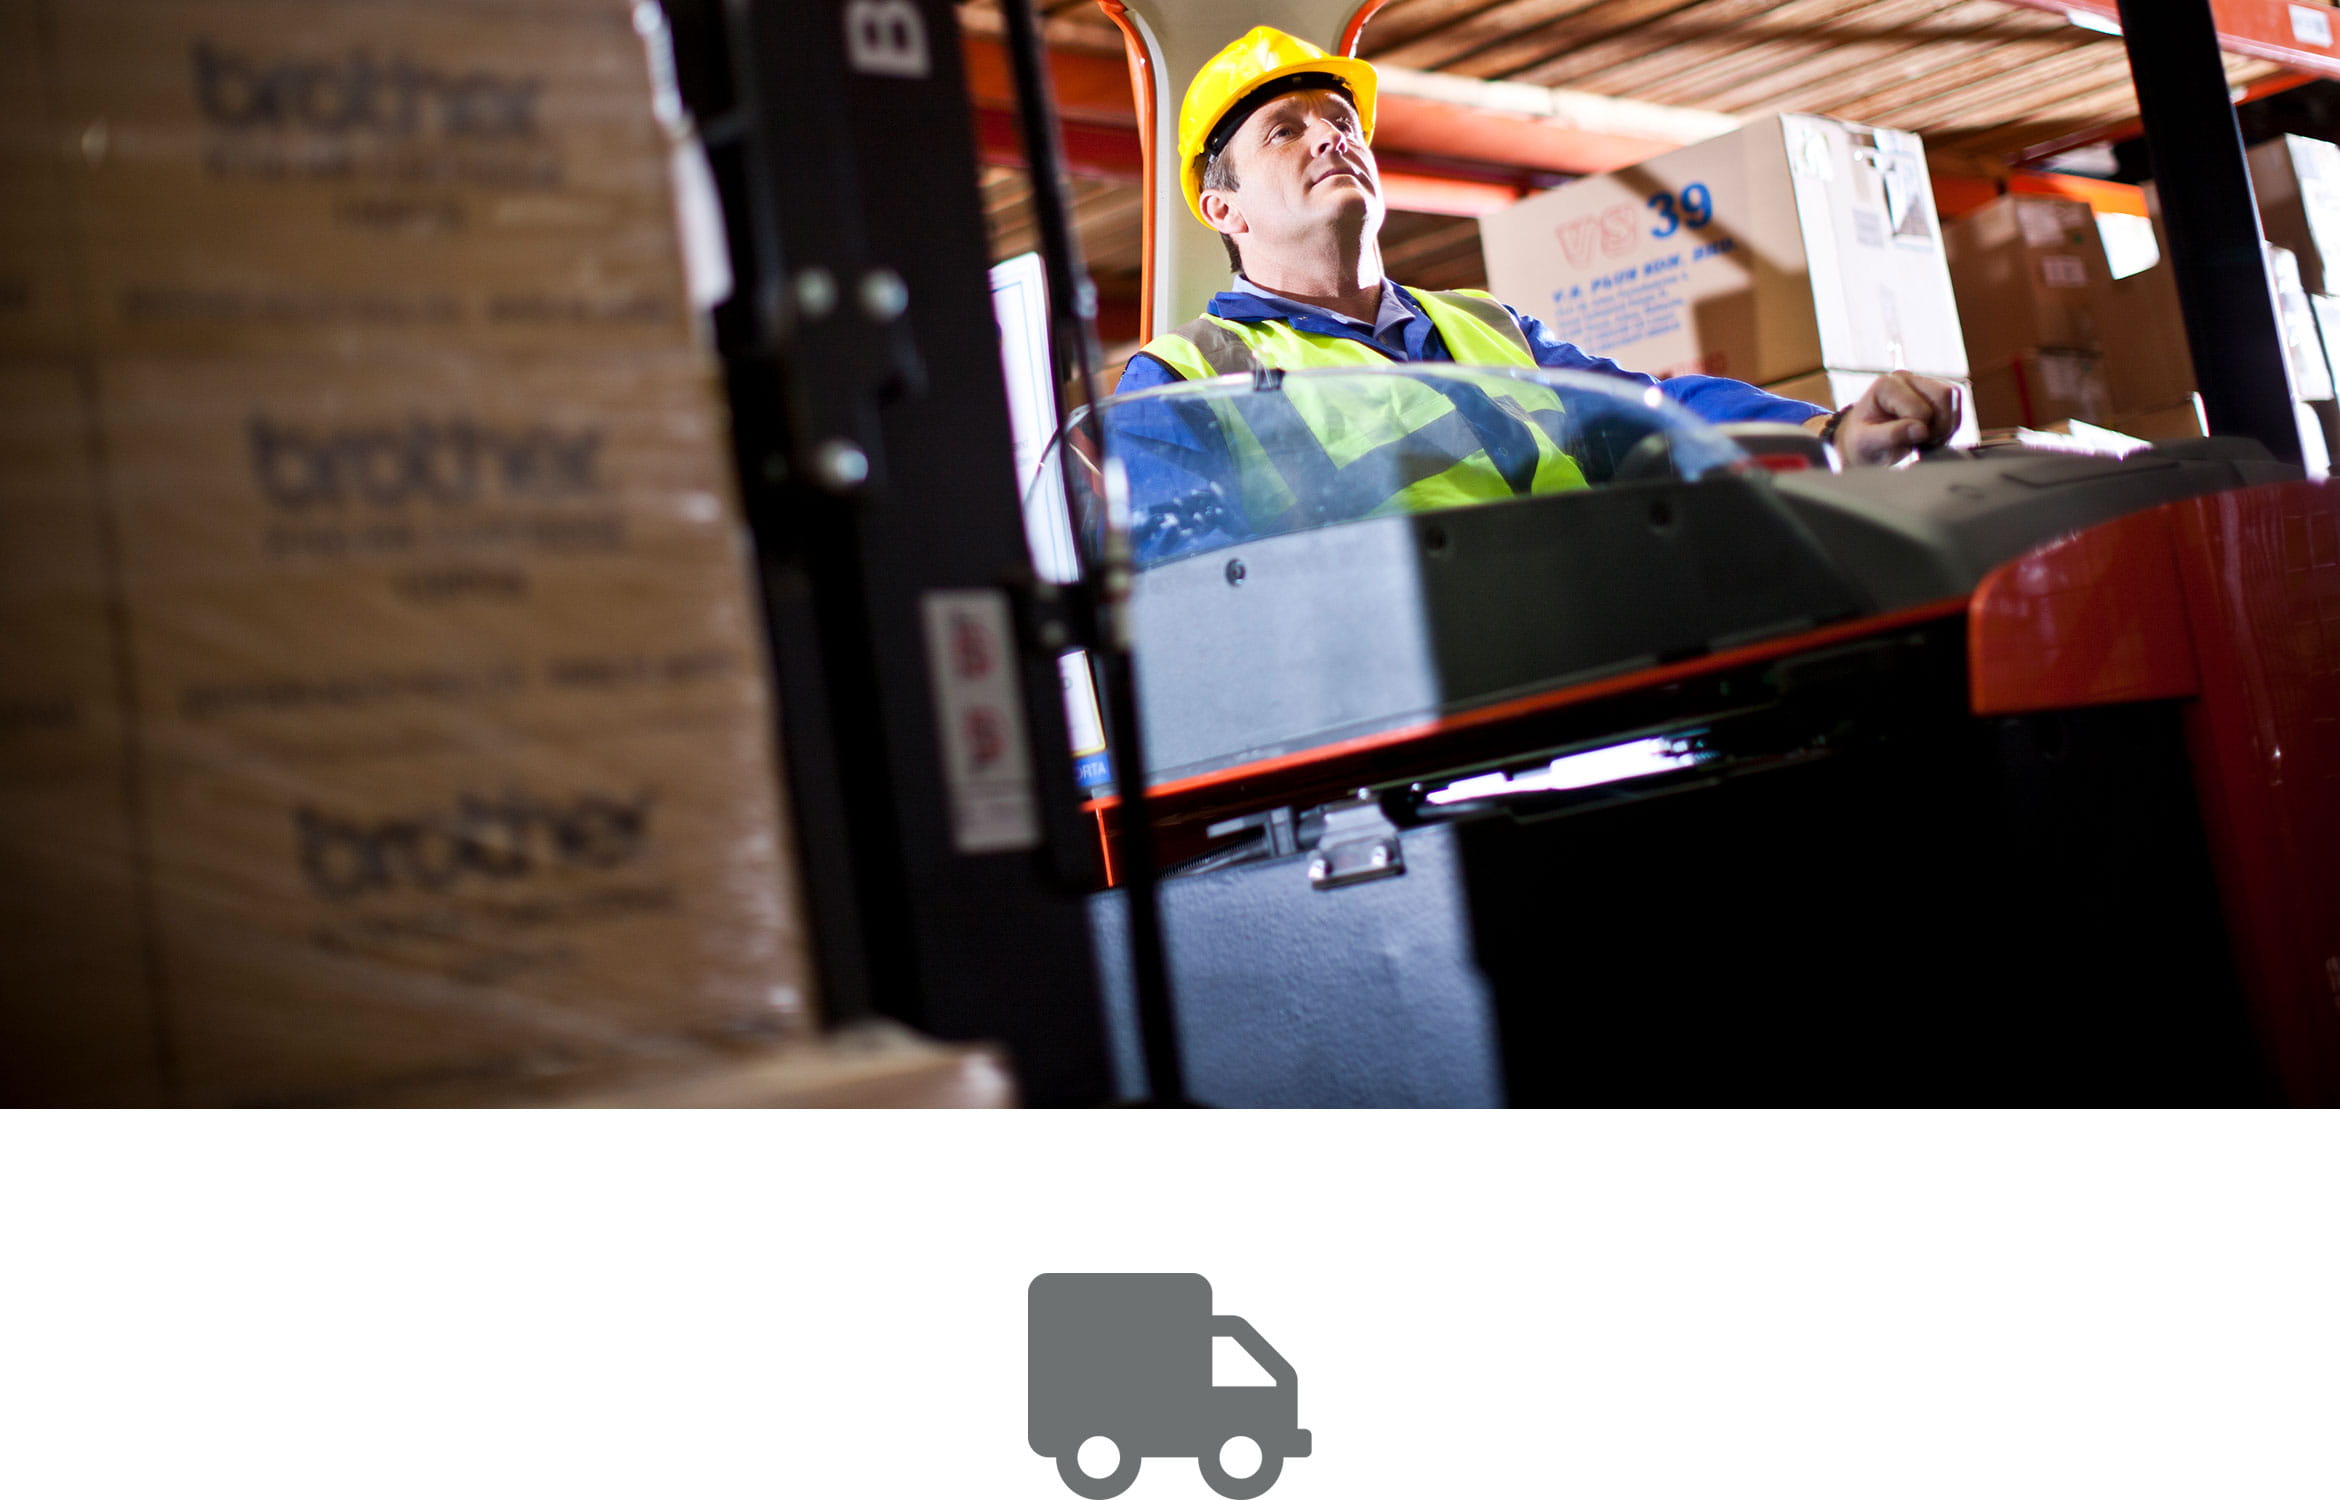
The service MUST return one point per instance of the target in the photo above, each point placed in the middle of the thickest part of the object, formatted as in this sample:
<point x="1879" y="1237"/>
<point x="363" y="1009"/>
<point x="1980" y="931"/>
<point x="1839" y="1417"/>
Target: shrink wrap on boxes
<point x="873" y="1064"/>
<point x="37" y="311"/>
<point x="456" y="742"/>
<point x="335" y="924"/>
<point x="77" y="1017"/>
<point x="382" y="690"/>
<point x="282" y="174"/>
<point x="346" y="555"/>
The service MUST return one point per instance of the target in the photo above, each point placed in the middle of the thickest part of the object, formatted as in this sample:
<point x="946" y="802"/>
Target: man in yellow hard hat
<point x="1274" y="149"/>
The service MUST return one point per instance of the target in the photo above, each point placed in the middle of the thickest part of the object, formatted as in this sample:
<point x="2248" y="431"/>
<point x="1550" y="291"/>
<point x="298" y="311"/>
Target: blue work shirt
<point x="1712" y="397"/>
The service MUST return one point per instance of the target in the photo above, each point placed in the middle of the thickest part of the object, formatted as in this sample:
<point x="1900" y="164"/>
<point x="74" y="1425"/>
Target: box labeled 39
<point x="1795" y="244"/>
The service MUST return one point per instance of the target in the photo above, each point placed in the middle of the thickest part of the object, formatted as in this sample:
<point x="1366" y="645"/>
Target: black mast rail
<point x="870" y="424"/>
<point x="1072" y="326"/>
<point x="2211" y="220"/>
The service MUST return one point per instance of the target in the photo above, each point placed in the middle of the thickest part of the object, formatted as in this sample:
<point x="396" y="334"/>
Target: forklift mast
<point x="927" y="748"/>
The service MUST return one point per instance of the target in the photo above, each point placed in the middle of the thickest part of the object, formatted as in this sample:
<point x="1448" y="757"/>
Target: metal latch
<point x="1246" y="840"/>
<point x="1357" y="844"/>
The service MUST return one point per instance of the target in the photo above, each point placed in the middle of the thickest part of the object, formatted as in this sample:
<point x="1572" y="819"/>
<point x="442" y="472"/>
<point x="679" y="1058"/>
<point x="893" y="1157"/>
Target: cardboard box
<point x="874" y="1064"/>
<point x="2327" y="313"/>
<point x="37" y="308"/>
<point x="1796" y="244"/>
<point x="61" y="683"/>
<point x="2303" y="344"/>
<point x="2315" y="449"/>
<point x="1839" y="388"/>
<point x="2035" y="389"/>
<point x="377" y="555"/>
<point x="78" y="1019"/>
<point x="2318" y="424"/>
<point x="381" y="678"/>
<point x="2297" y="181"/>
<point x="456" y="741"/>
<point x="77" y="1023"/>
<point x="2147" y="364"/>
<point x="2030" y="274"/>
<point x="2173" y="423"/>
<point x="280" y="174"/>
<point x="343" y="923"/>
<point x="2145" y="335"/>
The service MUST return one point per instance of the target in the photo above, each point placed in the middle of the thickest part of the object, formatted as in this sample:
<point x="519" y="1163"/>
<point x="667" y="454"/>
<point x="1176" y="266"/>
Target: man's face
<point x="1303" y="168"/>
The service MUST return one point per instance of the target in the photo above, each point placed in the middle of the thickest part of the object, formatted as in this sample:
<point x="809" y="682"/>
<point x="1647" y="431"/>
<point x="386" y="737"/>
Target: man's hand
<point x="1897" y="416"/>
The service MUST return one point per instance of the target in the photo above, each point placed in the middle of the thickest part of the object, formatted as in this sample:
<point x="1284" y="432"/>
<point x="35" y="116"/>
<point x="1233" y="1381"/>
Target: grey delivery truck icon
<point x="1127" y="1358"/>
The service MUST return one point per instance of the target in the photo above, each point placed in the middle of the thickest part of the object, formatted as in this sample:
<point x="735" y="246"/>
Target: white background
<point x="1678" y="1306"/>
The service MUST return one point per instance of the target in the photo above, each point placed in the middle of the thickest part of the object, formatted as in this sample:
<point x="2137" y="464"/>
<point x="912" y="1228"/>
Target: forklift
<point x="2017" y="783"/>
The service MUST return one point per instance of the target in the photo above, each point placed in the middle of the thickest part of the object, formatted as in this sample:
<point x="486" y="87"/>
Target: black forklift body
<point x="1829" y="880"/>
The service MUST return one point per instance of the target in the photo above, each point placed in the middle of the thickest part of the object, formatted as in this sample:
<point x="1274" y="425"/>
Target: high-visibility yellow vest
<point x="1410" y="447"/>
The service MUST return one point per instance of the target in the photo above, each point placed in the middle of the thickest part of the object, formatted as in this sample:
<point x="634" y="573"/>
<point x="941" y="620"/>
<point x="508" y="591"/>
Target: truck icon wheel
<point x="1250" y="1485"/>
<point x="1077" y="1479"/>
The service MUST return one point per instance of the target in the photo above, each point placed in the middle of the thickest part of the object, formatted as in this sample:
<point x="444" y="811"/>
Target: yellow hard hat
<point x="1258" y="57"/>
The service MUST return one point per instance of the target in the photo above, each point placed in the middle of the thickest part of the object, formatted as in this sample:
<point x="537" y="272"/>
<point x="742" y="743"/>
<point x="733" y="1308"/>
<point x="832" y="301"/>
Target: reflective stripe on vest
<point x="1313" y="456"/>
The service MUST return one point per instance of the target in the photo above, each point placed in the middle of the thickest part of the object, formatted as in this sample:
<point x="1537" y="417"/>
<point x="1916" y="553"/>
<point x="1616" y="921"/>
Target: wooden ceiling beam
<point x="2029" y="147"/>
<point x="1797" y="74"/>
<point x="1402" y="21"/>
<point x="1952" y="65"/>
<point x="1647" y="27"/>
<point x="1455" y="42"/>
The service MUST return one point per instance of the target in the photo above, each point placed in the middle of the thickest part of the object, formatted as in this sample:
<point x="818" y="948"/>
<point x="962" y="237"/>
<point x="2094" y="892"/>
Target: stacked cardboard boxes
<point x="2152" y="370"/>
<point x="1800" y="253"/>
<point x="2303" y="341"/>
<point x="76" y="1021"/>
<point x="2327" y="316"/>
<point x="37" y="315"/>
<point x="866" y="1065"/>
<point x="76" y="1016"/>
<point x="2149" y="369"/>
<point x="395" y="613"/>
<point x="2297" y="184"/>
<point x="2033" y="292"/>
